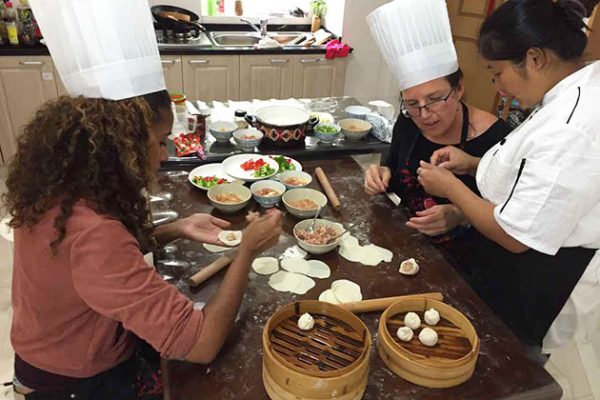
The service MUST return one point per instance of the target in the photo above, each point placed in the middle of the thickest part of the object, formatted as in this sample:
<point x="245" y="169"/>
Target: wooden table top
<point x="505" y="369"/>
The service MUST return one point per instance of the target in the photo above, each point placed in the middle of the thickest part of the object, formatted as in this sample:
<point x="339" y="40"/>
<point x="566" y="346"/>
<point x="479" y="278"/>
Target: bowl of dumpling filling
<point x="267" y="193"/>
<point x="229" y="197"/>
<point x="295" y="179"/>
<point x="321" y="239"/>
<point x="304" y="203"/>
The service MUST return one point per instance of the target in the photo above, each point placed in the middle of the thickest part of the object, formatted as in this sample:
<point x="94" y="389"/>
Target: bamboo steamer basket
<point x="331" y="361"/>
<point x="449" y="363"/>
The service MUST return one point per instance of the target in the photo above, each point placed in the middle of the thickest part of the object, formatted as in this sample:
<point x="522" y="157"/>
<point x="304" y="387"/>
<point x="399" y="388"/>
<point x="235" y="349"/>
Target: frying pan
<point x="175" y="24"/>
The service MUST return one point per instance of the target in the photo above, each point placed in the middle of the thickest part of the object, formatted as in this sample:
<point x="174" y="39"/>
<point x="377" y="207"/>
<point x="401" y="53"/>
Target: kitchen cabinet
<point x="173" y="73"/>
<point x="211" y="77"/>
<point x="266" y="77"/>
<point x="25" y="84"/>
<point x="315" y="76"/>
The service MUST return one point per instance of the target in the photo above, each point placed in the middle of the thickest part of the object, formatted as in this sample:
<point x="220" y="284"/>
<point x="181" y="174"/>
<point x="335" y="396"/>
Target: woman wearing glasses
<point x="540" y="187"/>
<point x="433" y="116"/>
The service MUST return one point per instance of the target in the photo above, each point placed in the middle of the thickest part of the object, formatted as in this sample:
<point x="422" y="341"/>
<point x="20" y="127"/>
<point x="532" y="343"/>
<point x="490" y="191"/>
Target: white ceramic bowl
<point x="242" y="191"/>
<point x="355" y="129"/>
<point x="267" y="201"/>
<point x="295" y="174"/>
<point x="222" y="130"/>
<point x="327" y="138"/>
<point x="247" y="144"/>
<point x="298" y="194"/>
<point x="357" y="112"/>
<point x="317" y="248"/>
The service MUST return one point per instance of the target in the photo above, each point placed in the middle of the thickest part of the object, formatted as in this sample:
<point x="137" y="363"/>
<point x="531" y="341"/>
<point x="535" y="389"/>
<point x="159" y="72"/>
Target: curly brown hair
<point x="91" y="149"/>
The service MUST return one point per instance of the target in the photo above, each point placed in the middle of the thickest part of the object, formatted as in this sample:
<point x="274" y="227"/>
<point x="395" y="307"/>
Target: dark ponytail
<point x="519" y="25"/>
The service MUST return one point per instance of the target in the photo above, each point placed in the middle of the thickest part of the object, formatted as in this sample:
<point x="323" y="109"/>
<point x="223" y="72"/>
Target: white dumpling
<point x="409" y="267"/>
<point x="306" y="322"/>
<point x="230" y="238"/>
<point x="412" y="320"/>
<point x="405" y="334"/>
<point x="428" y="337"/>
<point x="432" y="316"/>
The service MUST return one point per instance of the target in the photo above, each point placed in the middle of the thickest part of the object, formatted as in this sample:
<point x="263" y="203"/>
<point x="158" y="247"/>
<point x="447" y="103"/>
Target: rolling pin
<point x="211" y="269"/>
<point x="381" y="304"/>
<point x="333" y="199"/>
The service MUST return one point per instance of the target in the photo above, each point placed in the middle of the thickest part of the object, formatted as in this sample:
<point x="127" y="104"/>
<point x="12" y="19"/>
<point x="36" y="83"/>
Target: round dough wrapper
<point x="346" y="291"/>
<point x="328" y="297"/>
<point x="350" y="249"/>
<point x="372" y="255"/>
<point x="213" y="248"/>
<point x="296" y="265"/>
<point x="283" y="281"/>
<point x="230" y="238"/>
<point x="318" y="269"/>
<point x="265" y="265"/>
<point x="304" y="284"/>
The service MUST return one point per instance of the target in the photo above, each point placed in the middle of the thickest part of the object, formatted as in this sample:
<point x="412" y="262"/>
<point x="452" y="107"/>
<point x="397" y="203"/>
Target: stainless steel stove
<point x="167" y="38"/>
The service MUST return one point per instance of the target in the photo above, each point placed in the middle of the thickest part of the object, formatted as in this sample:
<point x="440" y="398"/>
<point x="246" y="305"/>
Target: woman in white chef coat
<point x="540" y="186"/>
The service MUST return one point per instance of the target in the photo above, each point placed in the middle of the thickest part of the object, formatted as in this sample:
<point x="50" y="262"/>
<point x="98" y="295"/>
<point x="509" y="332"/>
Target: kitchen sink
<point x="237" y="39"/>
<point x="248" y="39"/>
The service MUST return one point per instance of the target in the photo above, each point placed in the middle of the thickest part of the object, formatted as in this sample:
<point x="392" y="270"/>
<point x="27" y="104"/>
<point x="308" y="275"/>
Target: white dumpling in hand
<point x="412" y="320"/>
<point x="405" y="334"/>
<point x="428" y="337"/>
<point x="432" y="316"/>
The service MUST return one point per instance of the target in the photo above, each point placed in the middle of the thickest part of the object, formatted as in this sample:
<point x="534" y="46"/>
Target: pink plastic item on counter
<point x="336" y="49"/>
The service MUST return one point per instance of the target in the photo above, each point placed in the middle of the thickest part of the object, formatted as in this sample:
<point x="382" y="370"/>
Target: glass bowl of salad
<point x="327" y="133"/>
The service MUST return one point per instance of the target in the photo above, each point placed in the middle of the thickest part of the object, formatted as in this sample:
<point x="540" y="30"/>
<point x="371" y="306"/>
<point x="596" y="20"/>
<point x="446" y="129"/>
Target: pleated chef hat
<point x="415" y="39"/>
<point x="102" y="48"/>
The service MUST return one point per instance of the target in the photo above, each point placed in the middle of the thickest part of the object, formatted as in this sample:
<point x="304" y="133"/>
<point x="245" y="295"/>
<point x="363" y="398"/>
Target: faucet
<point x="263" y="26"/>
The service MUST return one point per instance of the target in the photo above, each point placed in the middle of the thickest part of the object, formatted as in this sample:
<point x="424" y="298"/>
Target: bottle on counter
<point x="10" y="19"/>
<point x="239" y="8"/>
<point x="27" y="25"/>
<point x="3" y="33"/>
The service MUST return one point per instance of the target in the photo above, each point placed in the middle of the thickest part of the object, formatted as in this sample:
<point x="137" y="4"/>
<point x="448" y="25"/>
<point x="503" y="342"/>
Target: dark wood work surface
<point x="505" y="368"/>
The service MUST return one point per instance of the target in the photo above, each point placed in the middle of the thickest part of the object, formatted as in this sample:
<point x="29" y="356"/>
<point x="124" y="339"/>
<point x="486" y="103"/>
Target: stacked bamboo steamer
<point x="449" y="363"/>
<point x="330" y="361"/>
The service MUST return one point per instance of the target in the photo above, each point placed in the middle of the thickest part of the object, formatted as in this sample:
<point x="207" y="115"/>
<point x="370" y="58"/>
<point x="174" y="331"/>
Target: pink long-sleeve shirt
<point x="67" y="307"/>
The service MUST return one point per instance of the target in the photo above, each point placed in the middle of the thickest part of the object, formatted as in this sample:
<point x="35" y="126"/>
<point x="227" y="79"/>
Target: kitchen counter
<point x="505" y="369"/>
<point x="217" y="152"/>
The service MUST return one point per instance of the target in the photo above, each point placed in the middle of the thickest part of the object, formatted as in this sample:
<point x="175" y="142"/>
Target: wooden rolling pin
<point x="381" y="304"/>
<point x="333" y="199"/>
<point x="211" y="269"/>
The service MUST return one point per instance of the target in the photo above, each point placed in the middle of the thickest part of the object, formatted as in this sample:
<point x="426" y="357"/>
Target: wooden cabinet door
<point x="173" y="73"/>
<point x="266" y="77"/>
<point x="211" y="77"/>
<point x="316" y="76"/>
<point x="25" y="84"/>
<point x="466" y="17"/>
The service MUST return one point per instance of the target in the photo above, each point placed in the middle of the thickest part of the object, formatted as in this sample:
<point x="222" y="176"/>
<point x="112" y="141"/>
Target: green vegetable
<point x="326" y="129"/>
<point x="285" y="164"/>
<point x="264" y="171"/>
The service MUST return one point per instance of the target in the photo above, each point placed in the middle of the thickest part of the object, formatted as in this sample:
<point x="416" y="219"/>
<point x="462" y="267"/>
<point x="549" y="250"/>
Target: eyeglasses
<point x="415" y="111"/>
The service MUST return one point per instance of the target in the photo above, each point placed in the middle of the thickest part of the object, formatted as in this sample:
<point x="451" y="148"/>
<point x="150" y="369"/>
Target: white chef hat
<point x="415" y="39"/>
<point x="102" y="48"/>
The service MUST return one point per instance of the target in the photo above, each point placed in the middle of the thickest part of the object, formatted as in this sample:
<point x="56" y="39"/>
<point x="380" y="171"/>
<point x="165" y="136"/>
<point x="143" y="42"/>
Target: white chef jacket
<point x="544" y="179"/>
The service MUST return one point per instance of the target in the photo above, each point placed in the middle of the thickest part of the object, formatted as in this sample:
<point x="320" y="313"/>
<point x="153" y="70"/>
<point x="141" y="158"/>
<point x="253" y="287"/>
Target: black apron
<point x="528" y="290"/>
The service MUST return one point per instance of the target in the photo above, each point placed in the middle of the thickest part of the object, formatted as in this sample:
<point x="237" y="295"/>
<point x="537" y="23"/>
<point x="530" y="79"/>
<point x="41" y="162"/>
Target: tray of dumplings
<point x="428" y="342"/>
<point x="313" y="349"/>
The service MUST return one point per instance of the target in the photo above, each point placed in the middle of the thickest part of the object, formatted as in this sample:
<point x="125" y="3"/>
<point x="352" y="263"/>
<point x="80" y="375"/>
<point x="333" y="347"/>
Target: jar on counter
<point x="240" y="119"/>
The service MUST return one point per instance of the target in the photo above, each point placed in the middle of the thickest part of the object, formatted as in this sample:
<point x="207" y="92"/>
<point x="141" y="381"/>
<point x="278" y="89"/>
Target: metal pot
<point x="282" y="125"/>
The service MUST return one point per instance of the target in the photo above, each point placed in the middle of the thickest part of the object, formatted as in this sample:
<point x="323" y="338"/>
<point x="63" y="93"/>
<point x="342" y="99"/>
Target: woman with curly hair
<point x="82" y="291"/>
